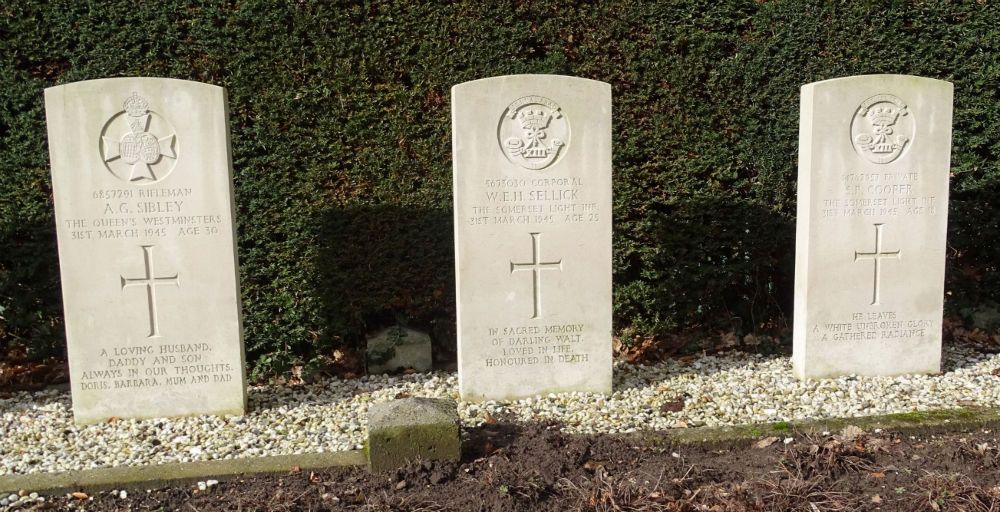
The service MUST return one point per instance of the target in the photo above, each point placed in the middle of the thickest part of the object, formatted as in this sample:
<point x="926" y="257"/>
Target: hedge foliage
<point x="340" y="123"/>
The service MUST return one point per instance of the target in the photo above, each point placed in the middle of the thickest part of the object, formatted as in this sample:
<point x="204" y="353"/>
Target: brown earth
<point x="534" y="467"/>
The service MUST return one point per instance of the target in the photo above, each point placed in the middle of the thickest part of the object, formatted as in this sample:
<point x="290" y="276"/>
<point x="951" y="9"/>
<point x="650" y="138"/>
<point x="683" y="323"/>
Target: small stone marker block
<point x="532" y="191"/>
<point x="399" y="347"/>
<point x="412" y="429"/>
<point x="143" y="192"/>
<point x="874" y="161"/>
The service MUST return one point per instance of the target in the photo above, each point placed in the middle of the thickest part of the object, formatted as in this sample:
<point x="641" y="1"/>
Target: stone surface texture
<point x="532" y="192"/>
<point x="142" y="183"/>
<point x="412" y="429"/>
<point x="874" y="156"/>
<point x="399" y="347"/>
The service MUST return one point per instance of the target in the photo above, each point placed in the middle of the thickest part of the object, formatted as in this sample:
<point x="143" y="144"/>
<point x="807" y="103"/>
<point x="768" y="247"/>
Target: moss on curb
<point x="912" y="423"/>
<point x="403" y="444"/>
<point x="128" y="477"/>
<point x="410" y="429"/>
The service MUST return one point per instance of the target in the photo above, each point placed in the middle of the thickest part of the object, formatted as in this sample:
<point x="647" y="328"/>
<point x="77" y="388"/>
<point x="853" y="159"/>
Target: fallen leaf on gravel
<point x="673" y="406"/>
<point x="878" y="475"/>
<point x="996" y="371"/>
<point x="764" y="443"/>
<point x="80" y="495"/>
<point x="113" y="419"/>
<point x="490" y="420"/>
<point x="409" y="371"/>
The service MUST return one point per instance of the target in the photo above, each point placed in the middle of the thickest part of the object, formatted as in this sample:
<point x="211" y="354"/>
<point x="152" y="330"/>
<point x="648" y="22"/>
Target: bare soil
<point x="534" y="467"/>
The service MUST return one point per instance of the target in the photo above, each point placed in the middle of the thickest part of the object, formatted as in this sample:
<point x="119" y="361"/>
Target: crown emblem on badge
<point x="134" y="154"/>
<point x="877" y="131"/>
<point x="135" y="105"/>
<point x="533" y="119"/>
<point x="542" y="134"/>
<point x="883" y="116"/>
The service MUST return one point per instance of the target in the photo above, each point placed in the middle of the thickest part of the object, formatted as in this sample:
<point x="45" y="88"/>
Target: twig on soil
<point x="956" y="492"/>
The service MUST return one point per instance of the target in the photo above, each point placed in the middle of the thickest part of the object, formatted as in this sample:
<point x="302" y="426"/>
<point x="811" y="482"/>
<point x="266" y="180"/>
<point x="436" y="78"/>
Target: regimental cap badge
<point x="882" y="128"/>
<point x="138" y="154"/>
<point x="533" y="132"/>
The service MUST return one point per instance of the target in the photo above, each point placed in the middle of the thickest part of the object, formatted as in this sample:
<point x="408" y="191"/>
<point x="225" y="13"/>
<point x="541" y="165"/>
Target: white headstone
<point x="532" y="170"/>
<point x="142" y="182"/>
<point x="874" y="159"/>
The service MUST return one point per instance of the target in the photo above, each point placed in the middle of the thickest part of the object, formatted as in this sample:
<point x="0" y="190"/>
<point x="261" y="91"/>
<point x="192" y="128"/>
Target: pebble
<point x="19" y="501"/>
<point x="728" y="389"/>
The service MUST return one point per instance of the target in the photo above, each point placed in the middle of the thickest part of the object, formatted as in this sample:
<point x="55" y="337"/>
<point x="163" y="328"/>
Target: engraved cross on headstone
<point x="877" y="256"/>
<point x="536" y="266"/>
<point x="150" y="281"/>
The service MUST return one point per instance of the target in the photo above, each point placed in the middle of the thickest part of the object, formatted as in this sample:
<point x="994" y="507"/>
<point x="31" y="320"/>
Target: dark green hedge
<point x="341" y="139"/>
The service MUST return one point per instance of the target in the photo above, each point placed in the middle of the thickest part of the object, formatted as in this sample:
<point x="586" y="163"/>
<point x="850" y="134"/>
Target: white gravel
<point x="38" y="434"/>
